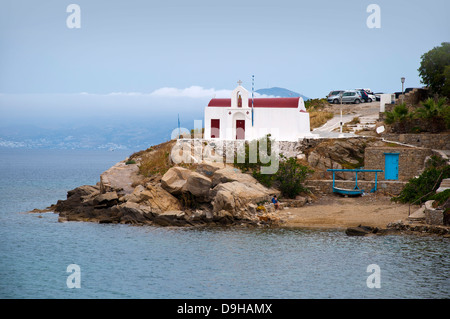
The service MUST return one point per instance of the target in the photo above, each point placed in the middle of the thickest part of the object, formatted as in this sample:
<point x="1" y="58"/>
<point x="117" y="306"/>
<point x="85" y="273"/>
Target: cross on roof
<point x="239" y="82"/>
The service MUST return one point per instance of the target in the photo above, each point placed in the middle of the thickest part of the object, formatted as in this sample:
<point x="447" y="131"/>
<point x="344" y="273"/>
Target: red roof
<point x="282" y="102"/>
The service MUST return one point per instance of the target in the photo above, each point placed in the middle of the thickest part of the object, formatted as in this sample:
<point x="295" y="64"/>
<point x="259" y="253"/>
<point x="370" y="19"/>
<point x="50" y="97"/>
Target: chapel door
<point x="240" y="129"/>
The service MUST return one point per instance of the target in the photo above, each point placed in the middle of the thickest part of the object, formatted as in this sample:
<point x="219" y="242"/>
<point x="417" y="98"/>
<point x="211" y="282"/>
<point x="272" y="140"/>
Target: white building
<point x="241" y="118"/>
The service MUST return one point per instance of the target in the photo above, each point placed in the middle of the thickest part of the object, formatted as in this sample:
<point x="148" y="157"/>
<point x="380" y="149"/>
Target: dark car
<point x="364" y="96"/>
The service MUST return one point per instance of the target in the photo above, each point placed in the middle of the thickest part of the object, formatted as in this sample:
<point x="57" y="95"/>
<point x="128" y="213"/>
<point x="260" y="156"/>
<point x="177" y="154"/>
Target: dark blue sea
<point x="123" y="261"/>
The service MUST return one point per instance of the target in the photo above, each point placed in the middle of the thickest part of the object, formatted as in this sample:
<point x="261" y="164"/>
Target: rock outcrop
<point x="206" y="194"/>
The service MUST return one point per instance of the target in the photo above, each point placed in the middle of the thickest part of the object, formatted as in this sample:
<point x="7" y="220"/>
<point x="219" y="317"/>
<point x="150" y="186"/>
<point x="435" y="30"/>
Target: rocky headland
<point x="149" y="189"/>
<point x="208" y="193"/>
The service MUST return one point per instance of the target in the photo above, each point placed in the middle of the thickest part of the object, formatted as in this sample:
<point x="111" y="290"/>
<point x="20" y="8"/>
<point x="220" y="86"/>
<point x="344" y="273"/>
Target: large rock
<point x="120" y="178"/>
<point x="76" y="197"/>
<point x="107" y="199"/>
<point x="231" y="174"/>
<point x="174" y="179"/>
<point x="234" y="196"/>
<point x="134" y="213"/>
<point x="361" y="230"/>
<point x="209" y="168"/>
<point x="198" y="185"/>
<point x="153" y="196"/>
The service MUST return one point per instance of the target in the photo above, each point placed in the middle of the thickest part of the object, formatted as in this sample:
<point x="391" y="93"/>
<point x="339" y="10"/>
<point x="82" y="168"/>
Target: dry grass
<point x="155" y="160"/>
<point x="319" y="118"/>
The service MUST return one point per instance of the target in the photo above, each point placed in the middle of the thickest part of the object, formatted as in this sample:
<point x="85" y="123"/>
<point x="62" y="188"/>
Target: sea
<point x="41" y="258"/>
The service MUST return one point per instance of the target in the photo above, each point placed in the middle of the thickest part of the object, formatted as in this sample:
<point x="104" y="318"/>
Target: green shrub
<point x="291" y="176"/>
<point x="130" y="162"/>
<point x="441" y="197"/>
<point x="422" y="188"/>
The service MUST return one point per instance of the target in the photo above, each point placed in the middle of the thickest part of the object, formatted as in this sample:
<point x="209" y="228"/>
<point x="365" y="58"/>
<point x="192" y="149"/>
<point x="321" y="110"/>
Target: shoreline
<point x="328" y="212"/>
<point x="336" y="212"/>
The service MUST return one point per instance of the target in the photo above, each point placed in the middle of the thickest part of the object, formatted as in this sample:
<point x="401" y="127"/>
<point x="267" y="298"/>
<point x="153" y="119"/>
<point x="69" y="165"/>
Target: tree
<point x="435" y="69"/>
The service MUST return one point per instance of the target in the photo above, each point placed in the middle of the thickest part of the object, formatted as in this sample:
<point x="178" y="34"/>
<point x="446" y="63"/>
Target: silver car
<point x="351" y="97"/>
<point x="346" y="96"/>
<point x="334" y="96"/>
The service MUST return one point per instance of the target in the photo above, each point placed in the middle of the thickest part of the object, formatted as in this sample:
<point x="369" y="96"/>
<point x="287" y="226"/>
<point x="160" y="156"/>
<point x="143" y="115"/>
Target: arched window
<point x="239" y="100"/>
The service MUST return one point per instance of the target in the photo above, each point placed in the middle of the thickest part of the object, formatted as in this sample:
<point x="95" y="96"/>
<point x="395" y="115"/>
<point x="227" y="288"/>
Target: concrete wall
<point x="411" y="160"/>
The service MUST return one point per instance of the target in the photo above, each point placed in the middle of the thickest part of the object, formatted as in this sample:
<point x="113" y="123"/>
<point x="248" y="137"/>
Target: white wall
<point x="386" y="99"/>
<point x="284" y="124"/>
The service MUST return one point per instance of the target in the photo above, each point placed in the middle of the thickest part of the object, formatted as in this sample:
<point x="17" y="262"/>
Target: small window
<point x="215" y="128"/>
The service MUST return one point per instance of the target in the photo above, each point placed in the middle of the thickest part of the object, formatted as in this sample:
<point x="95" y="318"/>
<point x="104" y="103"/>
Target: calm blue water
<point x="122" y="261"/>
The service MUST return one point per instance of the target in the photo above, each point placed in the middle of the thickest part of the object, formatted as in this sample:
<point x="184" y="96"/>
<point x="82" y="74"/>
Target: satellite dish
<point x="380" y="129"/>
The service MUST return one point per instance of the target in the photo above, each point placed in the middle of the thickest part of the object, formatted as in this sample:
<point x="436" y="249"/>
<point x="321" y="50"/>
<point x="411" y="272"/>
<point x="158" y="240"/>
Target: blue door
<point x="391" y="166"/>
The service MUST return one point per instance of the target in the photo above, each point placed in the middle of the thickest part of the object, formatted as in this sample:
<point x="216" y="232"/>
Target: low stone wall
<point x="439" y="141"/>
<point x="411" y="160"/>
<point x="326" y="186"/>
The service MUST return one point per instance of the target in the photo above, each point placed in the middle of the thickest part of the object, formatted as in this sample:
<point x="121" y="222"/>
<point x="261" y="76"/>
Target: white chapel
<point x="244" y="118"/>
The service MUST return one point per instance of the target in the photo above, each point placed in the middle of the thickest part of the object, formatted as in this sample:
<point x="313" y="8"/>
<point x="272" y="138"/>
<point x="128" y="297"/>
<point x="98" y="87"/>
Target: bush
<point x="441" y="197"/>
<point x="291" y="176"/>
<point x="254" y="167"/>
<point x="422" y="188"/>
<point x="432" y="116"/>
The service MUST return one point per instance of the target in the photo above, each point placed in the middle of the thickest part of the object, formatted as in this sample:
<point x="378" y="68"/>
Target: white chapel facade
<point x="244" y="118"/>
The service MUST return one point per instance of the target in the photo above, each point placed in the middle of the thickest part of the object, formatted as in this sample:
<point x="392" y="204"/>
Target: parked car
<point x="351" y="97"/>
<point x="367" y="90"/>
<point x="334" y="96"/>
<point x="367" y="95"/>
<point x="372" y="97"/>
<point x="364" y="95"/>
<point x="377" y="96"/>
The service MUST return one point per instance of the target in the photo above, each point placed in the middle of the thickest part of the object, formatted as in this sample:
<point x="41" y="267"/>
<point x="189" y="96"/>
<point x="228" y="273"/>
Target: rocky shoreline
<point x="212" y="194"/>
<point x="215" y="194"/>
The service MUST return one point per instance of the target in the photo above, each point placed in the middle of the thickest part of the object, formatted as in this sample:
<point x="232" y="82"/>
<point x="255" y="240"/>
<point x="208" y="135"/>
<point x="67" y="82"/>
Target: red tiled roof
<point x="282" y="102"/>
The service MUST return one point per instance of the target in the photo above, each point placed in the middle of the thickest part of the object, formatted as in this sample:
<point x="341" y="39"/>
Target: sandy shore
<point x="334" y="211"/>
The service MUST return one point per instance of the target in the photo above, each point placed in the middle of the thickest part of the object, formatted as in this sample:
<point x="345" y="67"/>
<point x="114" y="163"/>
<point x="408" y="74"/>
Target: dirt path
<point x="334" y="211"/>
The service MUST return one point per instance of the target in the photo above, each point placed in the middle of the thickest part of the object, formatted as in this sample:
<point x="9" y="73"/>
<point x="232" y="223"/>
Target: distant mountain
<point x="276" y="91"/>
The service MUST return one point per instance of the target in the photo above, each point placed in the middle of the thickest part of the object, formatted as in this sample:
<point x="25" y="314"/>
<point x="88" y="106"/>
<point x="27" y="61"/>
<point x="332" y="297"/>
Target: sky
<point x="156" y="56"/>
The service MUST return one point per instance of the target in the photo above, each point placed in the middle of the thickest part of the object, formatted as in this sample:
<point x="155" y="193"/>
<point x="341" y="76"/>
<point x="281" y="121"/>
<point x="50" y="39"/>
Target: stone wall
<point x="439" y="141"/>
<point x="411" y="99"/>
<point x="326" y="186"/>
<point x="411" y="160"/>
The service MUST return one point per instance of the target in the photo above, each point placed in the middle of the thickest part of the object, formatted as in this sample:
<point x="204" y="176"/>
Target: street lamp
<point x="403" y="82"/>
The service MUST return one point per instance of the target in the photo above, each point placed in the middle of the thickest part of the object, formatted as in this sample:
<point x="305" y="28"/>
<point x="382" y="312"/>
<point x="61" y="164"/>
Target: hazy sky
<point x="193" y="48"/>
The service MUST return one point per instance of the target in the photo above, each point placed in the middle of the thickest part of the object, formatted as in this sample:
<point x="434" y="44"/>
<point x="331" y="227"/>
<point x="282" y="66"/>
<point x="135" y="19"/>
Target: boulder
<point x="209" y="168"/>
<point x="231" y="174"/>
<point x="198" y="185"/>
<point x="360" y="230"/>
<point x="171" y="218"/>
<point x="120" y="178"/>
<point x="107" y="199"/>
<point x="134" y="213"/>
<point x="233" y="196"/>
<point x="76" y="197"/>
<point x="174" y="179"/>
<point x="153" y="196"/>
